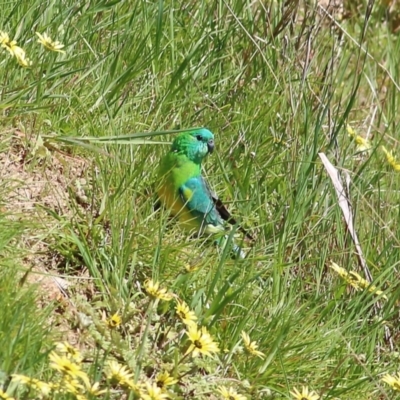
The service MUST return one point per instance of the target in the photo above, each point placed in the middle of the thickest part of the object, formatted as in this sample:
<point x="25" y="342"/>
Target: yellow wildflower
<point x="133" y="386"/>
<point x="42" y="387"/>
<point x="352" y="280"/>
<point x="362" y="143"/>
<point x="164" y="379"/>
<point x="153" y="290"/>
<point x="341" y="271"/>
<point x="391" y="159"/>
<point x="18" y="52"/>
<point x="351" y="132"/>
<point x="71" y="385"/>
<point x="49" y="44"/>
<point x="202" y="342"/>
<point x="69" y="351"/>
<point x="120" y="374"/>
<point x="14" y="50"/>
<point x="7" y="43"/>
<point x="5" y="396"/>
<point x="230" y="394"/>
<point x="192" y="267"/>
<point x="393" y="381"/>
<point x="56" y="386"/>
<point x="153" y="392"/>
<point x="23" y="61"/>
<point x="250" y="346"/>
<point x="114" y="321"/>
<point x="94" y="390"/>
<point x="355" y="280"/>
<point x="4" y="38"/>
<point x="364" y="284"/>
<point x="67" y="367"/>
<point x="304" y="394"/>
<point x="183" y="311"/>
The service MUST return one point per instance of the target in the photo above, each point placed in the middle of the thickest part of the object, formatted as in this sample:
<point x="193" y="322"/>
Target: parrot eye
<point x="199" y="137"/>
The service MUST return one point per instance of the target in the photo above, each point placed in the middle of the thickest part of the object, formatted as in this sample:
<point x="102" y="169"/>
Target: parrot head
<point x="195" y="144"/>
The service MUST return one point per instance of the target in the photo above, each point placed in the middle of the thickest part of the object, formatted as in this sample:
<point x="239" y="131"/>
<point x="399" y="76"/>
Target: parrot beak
<point x="210" y="146"/>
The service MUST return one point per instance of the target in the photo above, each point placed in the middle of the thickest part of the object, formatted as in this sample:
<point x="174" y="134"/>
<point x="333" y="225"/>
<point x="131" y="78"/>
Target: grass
<point x="277" y="85"/>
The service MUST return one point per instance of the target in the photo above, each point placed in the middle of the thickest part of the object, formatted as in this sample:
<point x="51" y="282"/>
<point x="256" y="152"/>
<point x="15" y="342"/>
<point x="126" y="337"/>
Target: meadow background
<point x="277" y="83"/>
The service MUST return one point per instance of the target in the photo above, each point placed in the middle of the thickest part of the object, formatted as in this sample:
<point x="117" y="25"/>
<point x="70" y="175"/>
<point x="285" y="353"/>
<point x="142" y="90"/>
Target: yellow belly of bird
<point x="178" y="209"/>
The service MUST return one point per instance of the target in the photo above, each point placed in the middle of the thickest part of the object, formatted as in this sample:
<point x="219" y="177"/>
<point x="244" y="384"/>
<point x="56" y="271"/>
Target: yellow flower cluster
<point x="153" y="392"/>
<point x="20" y="54"/>
<point x="305" y="394"/>
<point x="71" y="379"/>
<point x="362" y="144"/>
<point x="365" y="145"/>
<point x="230" y="394"/>
<point x="355" y="280"/>
<point x="119" y="374"/>
<point x="185" y="314"/>
<point x="391" y="159"/>
<point x="114" y="321"/>
<point x="393" y="381"/>
<point x="5" y="396"/>
<point x="201" y="341"/>
<point x="250" y="346"/>
<point x="71" y="352"/>
<point x="67" y="361"/>
<point x="154" y="290"/>
<point x="49" y="44"/>
<point x="164" y="379"/>
<point x="14" y="50"/>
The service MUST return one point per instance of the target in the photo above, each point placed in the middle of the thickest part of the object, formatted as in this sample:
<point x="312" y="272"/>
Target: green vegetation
<point x="82" y="130"/>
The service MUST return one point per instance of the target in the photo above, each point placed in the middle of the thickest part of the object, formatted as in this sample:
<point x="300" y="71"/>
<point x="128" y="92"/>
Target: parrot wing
<point x="205" y="204"/>
<point x="224" y="213"/>
<point x="198" y="199"/>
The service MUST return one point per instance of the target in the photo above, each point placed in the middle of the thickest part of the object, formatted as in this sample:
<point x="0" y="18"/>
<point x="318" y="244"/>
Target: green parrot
<point x="185" y="192"/>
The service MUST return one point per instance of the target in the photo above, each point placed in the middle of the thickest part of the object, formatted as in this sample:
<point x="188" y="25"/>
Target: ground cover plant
<point x="104" y="296"/>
